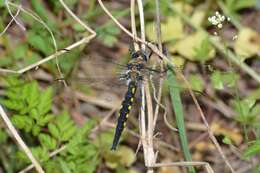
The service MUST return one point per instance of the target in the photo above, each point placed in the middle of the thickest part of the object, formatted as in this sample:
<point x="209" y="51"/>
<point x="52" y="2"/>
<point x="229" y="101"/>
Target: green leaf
<point x="34" y="114"/>
<point x="45" y="102"/>
<point x="29" y="124"/>
<point x="45" y="119"/>
<point x="2" y="3"/>
<point x="66" y="135"/>
<point x="245" y="45"/>
<point x="3" y="136"/>
<point x="40" y="153"/>
<point x="172" y="29"/>
<point x="202" y="53"/>
<point x="178" y="110"/>
<point x="221" y="79"/>
<point x="20" y="155"/>
<point x="64" y="166"/>
<point x="36" y="130"/>
<point x="227" y="140"/>
<point x="85" y="130"/>
<point x="20" y="121"/>
<point x="108" y="33"/>
<point x="13" y="104"/>
<point x="54" y="131"/>
<point x="196" y="82"/>
<point x="20" y="51"/>
<point x="40" y="42"/>
<point x="216" y="80"/>
<point x="247" y="111"/>
<point x="63" y="120"/>
<point x="32" y="93"/>
<point x="252" y="150"/>
<point x="47" y="141"/>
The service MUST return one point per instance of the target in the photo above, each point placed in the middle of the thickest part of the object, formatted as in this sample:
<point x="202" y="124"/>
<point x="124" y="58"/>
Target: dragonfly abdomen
<point x="124" y="112"/>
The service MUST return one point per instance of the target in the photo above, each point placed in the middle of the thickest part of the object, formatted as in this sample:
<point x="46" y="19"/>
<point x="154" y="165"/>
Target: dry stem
<point x="20" y="141"/>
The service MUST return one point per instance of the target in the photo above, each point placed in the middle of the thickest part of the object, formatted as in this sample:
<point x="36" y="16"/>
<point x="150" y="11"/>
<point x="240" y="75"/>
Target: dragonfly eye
<point x="139" y="66"/>
<point x="135" y="55"/>
<point x="144" y="56"/>
<point x="129" y="66"/>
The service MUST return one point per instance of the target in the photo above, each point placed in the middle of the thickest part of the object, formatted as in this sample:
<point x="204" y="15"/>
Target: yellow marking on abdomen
<point x="133" y="89"/>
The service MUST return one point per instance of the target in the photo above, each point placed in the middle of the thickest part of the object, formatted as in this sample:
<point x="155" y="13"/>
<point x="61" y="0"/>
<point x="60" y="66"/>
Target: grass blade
<point x="177" y="106"/>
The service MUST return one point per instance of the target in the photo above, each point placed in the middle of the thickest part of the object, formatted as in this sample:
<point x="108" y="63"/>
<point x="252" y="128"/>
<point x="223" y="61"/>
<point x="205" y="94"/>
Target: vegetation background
<point x="70" y="128"/>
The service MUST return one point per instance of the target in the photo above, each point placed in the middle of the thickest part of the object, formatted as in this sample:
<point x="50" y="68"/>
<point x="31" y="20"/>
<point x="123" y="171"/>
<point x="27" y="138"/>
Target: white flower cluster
<point x="217" y="19"/>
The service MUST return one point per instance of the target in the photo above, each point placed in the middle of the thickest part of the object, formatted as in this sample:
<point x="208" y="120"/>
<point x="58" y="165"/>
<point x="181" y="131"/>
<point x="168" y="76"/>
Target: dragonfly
<point x="132" y="75"/>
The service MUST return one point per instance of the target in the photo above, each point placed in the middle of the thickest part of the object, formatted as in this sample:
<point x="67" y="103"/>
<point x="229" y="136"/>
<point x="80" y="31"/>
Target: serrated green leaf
<point x="63" y="120"/>
<point x="40" y="153"/>
<point x="36" y="130"/>
<point x="65" y="168"/>
<point x="85" y="130"/>
<point x="13" y="104"/>
<point x="22" y="156"/>
<point x="32" y="94"/>
<point x="54" y="131"/>
<point x="20" y="121"/>
<point x="66" y="135"/>
<point x="34" y="114"/>
<point x="13" y="94"/>
<point x="45" y="119"/>
<point x="29" y="124"/>
<point x="47" y="141"/>
<point x="45" y="102"/>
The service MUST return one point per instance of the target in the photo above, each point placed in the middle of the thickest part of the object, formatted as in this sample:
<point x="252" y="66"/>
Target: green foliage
<point x="3" y="136"/>
<point x="202" y="52"/>
<point x="178" y="110"/>
<point x="32" y="114"/>
<point x="221" y="79"/>
<point x="247" y="111"/>
<point x="196" y="82"/>
<point x="108" y="34"/>
<point x="253" y="149"/>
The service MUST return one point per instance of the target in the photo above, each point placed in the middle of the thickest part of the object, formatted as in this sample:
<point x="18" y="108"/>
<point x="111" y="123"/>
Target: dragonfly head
<point x="139" y="54"/>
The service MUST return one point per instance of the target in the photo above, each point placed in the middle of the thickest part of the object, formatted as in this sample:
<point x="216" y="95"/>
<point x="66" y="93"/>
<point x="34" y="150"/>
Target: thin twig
<point x="20" y="141"/>
<point x="38" y="18"/>
<point x="58" y="53"/>
<point x="159" y="41"/>
<point x="11" y="14"/>
<point x="207" y="166"/>
<point x="54" y="153"/>
<point x="13" y="19"/>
